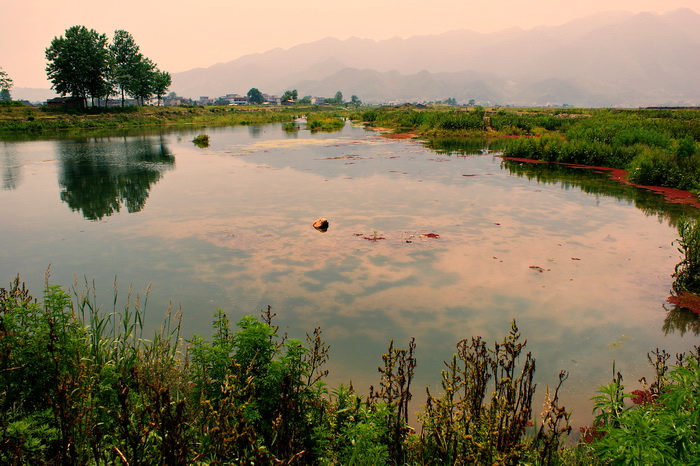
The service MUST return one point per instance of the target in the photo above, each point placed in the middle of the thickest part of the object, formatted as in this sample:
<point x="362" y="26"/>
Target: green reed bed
<point x="83" y="386"/>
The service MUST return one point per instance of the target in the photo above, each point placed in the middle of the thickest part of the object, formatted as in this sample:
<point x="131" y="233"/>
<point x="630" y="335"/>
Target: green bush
<point x="662" y="429"/>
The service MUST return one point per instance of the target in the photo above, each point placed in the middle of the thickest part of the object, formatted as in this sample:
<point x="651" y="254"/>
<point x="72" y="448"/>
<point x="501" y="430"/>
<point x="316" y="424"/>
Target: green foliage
<point x="79" y="386"/>
<point x="78" y="63"/>
<point x="290" y="127"/>
<point x="201" y="140"/>
<point x="255" y="96"/>
<point x="290" y="95"/>
<point x="662" y="429"/>
<point x="82" y="64"/>
<point x="321" y="122"/>
<point x="5" y="81"/>
<point x="467" y="425"/>
<point x="687" y="273"/>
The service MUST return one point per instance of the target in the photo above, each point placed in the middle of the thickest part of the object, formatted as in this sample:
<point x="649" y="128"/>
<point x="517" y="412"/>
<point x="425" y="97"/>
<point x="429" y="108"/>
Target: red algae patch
<point x="690" y="301"/>
<point x="390" y="135"/>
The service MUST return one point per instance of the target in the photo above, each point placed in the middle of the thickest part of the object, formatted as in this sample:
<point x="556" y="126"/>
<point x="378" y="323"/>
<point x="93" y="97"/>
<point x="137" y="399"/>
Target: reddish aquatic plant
<point x="643" y="397"/>
<point x="590" y="434"/>
<point x="687" y="300"/>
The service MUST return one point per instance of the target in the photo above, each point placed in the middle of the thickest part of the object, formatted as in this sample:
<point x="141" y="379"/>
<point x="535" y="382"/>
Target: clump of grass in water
<point x="201" y="141"/>
<point x="290" y="127"/>
<point x="319" y="122"/>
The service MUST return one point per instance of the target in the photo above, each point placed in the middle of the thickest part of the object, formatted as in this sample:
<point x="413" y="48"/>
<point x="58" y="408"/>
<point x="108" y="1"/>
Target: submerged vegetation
<point x="80" y="386"/>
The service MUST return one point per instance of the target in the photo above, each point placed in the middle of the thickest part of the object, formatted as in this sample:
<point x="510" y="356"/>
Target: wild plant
<point x="687" y="272"/>
<point x="465" y="425"/>
<point x="661" y="430"/>
<point x="395" y="394"/>
<point x="261" y="391"/>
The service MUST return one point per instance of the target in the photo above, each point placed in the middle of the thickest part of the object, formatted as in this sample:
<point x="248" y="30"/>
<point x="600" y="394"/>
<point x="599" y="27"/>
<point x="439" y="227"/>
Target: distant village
<point x="173" y="99"/>
<point x="232" y="99"/>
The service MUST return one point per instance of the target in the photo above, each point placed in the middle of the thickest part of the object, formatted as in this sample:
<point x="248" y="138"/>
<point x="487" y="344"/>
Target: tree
<point x="339" y="98"/>
<point x="125" y="58"/>
<point x="290" y="95"/>
<point x="161" y="82"/>
<point x="255" y="96"/>
<point x="5" y="86"/>
<point x="78" y="63"/>
<point x="5" y="80"/>
<point x="305" y="100"/>
<point x="142" y="80"/>
<point x="355" y="100"/>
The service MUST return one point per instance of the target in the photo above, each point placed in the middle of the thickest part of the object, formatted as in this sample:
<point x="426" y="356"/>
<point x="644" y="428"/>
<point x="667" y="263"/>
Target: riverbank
<point x="15" y="119"/>
<point x="656" y="147"/>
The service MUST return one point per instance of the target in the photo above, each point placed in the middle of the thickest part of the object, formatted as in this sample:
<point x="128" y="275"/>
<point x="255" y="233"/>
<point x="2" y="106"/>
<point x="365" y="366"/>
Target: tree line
<point x="84" y="64"/>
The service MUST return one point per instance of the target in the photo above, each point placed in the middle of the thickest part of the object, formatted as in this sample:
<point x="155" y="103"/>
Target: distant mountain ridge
<point x="607" y="59"/>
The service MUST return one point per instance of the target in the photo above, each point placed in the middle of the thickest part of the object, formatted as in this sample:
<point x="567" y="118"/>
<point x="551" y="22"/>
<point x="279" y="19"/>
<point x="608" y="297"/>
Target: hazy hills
<point x="608" y="59"/>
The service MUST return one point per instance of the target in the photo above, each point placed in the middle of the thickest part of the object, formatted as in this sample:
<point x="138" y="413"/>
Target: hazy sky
<point x="181" y="35"/>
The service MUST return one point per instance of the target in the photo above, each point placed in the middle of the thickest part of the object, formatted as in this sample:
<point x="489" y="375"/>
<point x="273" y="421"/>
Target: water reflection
<point x="594" y="182"/>
<point x="10" y="168"/>
<point x="463" y="146"/>
<point x="100" y="175"/>
<point x="255" y="131"/>
<point x="681" y="319"/>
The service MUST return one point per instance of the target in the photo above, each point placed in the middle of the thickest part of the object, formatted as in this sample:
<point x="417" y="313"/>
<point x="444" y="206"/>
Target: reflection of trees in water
<point x="10" y="168"/>
<point x="255" y="131"/>
<point x="599" y="184"/>
<point x="464" y="146"/>
<point x="681" y="319"/>
<point x="100" y="175"/>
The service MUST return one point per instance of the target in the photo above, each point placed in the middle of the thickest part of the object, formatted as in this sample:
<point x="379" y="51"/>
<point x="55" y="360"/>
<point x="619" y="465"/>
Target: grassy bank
<point x="15" y="119"/>
<point x="658" y="147"/>
<point x="80" y="386"/>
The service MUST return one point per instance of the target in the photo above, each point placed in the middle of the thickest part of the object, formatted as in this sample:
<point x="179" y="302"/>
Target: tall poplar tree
<point x="161" y="82"/>
<point x="125" y="60"/>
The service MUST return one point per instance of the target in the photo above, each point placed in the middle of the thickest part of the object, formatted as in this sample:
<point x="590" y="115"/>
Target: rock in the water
<point x="321" y="224"/>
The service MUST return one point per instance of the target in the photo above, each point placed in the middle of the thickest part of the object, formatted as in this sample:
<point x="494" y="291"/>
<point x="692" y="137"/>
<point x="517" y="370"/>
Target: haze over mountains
<point x="607" y="59"/>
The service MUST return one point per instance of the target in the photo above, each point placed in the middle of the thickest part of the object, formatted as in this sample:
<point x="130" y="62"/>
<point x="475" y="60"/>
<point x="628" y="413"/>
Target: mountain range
<point x="615" y="59"/>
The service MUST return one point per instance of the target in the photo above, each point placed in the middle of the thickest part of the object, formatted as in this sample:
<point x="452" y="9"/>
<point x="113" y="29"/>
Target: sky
<point x="181" y="35"/>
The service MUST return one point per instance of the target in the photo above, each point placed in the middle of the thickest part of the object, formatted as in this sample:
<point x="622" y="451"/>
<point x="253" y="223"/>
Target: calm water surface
<point x="583" y="264"/>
